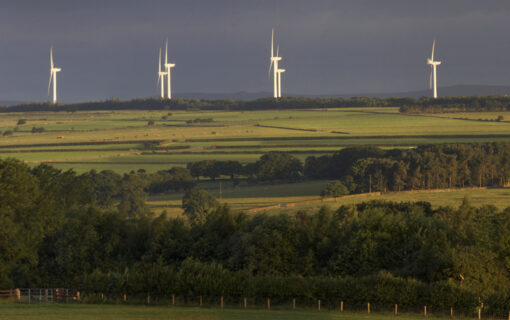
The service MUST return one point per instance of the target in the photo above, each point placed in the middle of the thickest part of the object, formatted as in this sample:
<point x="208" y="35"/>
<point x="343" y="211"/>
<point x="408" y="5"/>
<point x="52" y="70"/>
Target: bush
<point x="150" y="123"/>
<point x="334" y="189"/>
<point x="8" y="132"/>
<point x="37" y="129"/>
<point x="21" y="122"/>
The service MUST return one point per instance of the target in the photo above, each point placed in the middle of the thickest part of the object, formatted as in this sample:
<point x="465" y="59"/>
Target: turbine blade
<point x="51" y="57"/>
<point x="430" y="79"/>
<point x="433" y="47"/>
<point x="49" y="83"/>
<point x="166" y="52"/>
<point x="277" y="50"/>
<point x="159" y="67"/>
<point x="269" y="71"/>
<point x="272" y="40"/>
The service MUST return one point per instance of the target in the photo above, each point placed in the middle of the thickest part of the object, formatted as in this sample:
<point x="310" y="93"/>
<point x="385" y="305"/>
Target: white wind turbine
<point x="168" y="66"/>
<point x="279" y="73"/>
<point x="161" y="77"/>
<point x="53" y="75"/>
<point x="433" y="77"/>
<point x="274" y="60"/>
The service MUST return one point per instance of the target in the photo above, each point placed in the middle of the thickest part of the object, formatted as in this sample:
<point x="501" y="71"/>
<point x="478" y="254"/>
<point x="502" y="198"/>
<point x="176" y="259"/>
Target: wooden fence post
<point x="200" y="300"/>
<point x="479" y="313"/>
<point x="293" y="303"/>
<point x="46" y="295"/>
<point x="451" y="312"/>
<point x="78" y="296"/>
<point x="319" y="305"/>
<point x="245" y="303"/>
<point x="221" y="302"/>
<point x="396" y="309"/>
<point x="368" y="307"/>
<point x="268" y="304"/>
<point x="173" y="299"/>
<point x="341" y="306"/>
<point x="148" y="298"/>
<point x="425" y="311"/>
<point x="125" y="297"/>
<point x="18" y="294"/>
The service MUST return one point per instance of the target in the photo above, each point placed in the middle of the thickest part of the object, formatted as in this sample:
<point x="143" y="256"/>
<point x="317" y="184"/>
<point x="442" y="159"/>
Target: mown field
<point x="111" y="312"/>
<point x="124" y="140"/>
<point x="244" y="197"/>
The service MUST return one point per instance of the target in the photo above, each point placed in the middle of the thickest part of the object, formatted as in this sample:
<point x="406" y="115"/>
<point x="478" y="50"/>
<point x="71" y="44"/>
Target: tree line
<point x="407" y="105"/>
<point x="57" y="231"/>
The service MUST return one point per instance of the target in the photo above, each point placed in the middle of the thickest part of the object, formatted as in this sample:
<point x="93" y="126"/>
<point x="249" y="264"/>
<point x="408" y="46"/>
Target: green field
<point x="111" y="312"/>
<point x="118" y="140"/>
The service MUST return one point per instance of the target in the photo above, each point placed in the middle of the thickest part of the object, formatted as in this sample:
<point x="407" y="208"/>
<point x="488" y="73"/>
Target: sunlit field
<point x="124" y="140"/>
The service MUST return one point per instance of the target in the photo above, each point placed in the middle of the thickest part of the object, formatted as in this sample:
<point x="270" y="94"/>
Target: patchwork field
<point x="155" y="140"/>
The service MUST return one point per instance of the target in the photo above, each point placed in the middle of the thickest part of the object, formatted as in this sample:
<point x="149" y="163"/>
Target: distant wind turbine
<point x="433" y="72"/>
<point x="274" y="61"/>
<point x="53" y="75"/>
<point x="161" y="77"/>
<point x="168" y="66"/>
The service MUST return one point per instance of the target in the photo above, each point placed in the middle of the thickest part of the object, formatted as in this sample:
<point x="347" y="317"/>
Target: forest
<point x="93" y="232"/>
<point x="407" y="105"/>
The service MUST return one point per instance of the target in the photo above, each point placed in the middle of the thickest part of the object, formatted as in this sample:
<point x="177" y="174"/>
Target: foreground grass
<point x="111" y="312"/>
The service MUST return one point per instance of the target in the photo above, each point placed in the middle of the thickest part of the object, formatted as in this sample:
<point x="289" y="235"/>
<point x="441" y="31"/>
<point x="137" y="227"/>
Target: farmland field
<point x="124" y="140"/>
<point x="111" y="312"/>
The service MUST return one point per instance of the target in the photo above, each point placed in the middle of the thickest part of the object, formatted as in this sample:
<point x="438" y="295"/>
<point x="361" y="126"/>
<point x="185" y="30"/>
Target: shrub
<point x="334" y="189"/>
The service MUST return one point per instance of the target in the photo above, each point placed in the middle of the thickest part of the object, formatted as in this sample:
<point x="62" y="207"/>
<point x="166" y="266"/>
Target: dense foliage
<point x="62" y="229"/>
<point x="365" y="169"/>
<point x="407" y="105"/>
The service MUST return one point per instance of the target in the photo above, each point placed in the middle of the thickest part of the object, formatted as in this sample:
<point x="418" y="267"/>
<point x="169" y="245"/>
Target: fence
<point x="41" y="295"/>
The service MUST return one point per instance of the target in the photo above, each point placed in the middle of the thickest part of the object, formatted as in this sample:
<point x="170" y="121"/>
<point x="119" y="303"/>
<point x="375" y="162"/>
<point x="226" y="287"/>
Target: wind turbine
<point x="274" y="61"/>
<point x="433" y="76"/>
<point x="161" y="77"/>
<point x="168" y="66"/>
<point x="279" y="73"/>
<point x="53" y="75"/>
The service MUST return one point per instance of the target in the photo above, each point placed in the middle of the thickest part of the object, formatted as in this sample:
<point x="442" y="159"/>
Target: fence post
<point x="200" y="300"/>
<point x="396" y="309"/>
<point x="148" y="298"/>
<point x="245" y="303"/>
<point x="46" y="295"/>
<point x="319" y="305"/>
<point x="173" y="299"/>
<point x="451" y="312"/>
<point x="341" y="306"/>
<point x="221" y="302"/>
<point x="293" y="303"/>
<point x="425" y="311"/>
<point x="125" y="297"/>
<point x="268" y="304"/>
<point x="368" y="307"/>
<point x="479" y="313"/>
<point x="29" y="297"/>
<point x="18" y="294"/>
<point x="78" y="296"/>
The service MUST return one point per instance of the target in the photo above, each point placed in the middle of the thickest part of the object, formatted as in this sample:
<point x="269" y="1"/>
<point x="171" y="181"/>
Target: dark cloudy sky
<point x="109" y="48"/>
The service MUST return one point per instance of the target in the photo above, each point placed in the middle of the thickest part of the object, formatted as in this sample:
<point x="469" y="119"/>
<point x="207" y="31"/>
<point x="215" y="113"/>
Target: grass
<point x="234" y="135"/>
<point x="115" y="312"/>
<point x="245" y="197"/>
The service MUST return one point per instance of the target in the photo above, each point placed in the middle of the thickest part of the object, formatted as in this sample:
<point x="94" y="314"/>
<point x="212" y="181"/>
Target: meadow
<point x="111" y="312"/>
<point x="123" y="140"/>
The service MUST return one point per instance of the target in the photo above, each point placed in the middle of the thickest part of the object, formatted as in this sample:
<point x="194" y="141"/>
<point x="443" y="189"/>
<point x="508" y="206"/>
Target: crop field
<point x="124" y="140"/>
<point x="117" y="312"/>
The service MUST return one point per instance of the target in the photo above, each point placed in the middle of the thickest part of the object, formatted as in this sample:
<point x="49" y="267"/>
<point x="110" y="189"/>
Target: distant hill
<point x="9" y="102"/>
<point x="448" y="91"/>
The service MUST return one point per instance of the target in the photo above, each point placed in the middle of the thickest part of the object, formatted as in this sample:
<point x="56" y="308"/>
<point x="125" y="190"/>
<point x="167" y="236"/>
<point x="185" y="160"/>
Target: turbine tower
<point x="53" y="75"/>
<point x="433" y="72"/>
<point x="168" y="66"/>
<point x="274" y="61"/>
<point x="280" y="71"/>
<point x="161" y="77"/>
